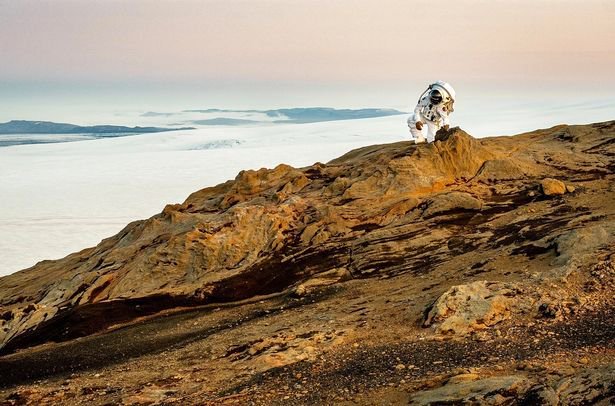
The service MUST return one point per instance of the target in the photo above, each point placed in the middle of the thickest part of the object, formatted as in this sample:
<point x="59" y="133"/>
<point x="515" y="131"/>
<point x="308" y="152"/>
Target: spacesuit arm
<point x="417" y="110"/>
<point x="443" y="113"/>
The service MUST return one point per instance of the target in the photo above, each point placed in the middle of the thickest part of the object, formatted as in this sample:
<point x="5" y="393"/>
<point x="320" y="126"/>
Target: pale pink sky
<point x="303" y="41"/>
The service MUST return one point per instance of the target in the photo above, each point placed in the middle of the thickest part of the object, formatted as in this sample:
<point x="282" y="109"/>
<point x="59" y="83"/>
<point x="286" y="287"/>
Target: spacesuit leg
<point x="432" y="129"/>
<point x="416" y="134"/>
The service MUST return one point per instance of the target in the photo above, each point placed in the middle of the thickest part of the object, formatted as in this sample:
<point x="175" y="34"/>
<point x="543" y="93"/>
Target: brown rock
<point x="475" y="306"/>
<point x="499" y="170"/>
<point x="463" y="378"/>
<point x="580" y="242"/>
<point x="495" y="390"/>
<point x="552" y="187"/>
<point x="323" y="279"/>
<point x="588" y="386"/>
<point x="453" y="201"/>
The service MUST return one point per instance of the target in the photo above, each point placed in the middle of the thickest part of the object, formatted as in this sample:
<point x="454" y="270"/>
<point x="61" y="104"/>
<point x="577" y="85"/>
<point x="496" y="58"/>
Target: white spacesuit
<point x="433" y="109"/>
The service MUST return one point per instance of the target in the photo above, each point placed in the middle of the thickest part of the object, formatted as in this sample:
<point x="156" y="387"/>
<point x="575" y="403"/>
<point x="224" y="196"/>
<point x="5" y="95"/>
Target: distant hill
<point x="315" y="114"/>
<point x="224" y="121"/>
<point x="48" y="127"/>
<point x="292" y="115"/>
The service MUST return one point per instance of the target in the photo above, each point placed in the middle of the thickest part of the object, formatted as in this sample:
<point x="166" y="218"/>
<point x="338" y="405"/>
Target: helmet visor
<point x="435" y="97"/>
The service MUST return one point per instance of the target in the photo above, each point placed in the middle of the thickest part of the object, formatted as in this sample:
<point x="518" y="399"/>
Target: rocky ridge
<point x="461" y="245"/>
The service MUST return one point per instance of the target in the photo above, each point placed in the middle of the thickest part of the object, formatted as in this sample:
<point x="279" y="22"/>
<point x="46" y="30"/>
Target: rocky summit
<point x="466" y="271"/>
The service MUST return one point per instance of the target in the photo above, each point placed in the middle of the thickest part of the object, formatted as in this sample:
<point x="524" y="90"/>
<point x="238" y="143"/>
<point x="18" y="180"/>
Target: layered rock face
<point x="258" y="234"/>
<point x="468" y="233"/>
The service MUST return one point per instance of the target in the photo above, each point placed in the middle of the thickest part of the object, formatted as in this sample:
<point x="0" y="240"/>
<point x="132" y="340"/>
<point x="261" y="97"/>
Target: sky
<point x="98" y="55"/>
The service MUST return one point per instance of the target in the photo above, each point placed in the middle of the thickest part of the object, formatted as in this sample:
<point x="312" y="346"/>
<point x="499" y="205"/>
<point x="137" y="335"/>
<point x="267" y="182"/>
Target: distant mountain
<point x="156" y="114"/>
<point x="316" y="114"/>
<point x="48" y="127"/>
<point x="224" y="121"/>
<point x="293" y="115"/>
<point x="221" y="111"/>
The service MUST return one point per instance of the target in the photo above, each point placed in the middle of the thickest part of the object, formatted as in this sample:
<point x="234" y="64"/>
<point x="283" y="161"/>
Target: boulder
<point x="475" y="306"/>
<point x="552" y="187"/>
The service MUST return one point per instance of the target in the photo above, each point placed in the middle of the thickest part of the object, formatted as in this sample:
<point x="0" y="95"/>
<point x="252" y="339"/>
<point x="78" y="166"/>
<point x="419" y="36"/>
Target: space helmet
<point x="445" y="89"/>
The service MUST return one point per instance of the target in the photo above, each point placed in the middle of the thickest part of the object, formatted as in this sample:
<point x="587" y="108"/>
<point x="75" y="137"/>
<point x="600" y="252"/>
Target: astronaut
<point x="433" y="109"/>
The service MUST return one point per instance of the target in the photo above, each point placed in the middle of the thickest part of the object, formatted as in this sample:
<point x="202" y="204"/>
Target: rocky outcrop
<point x="323" y="279"/>
<point x="450" y="202"/>
<point x="497" y="170"/>
<point x="576" y="243"/>
<point x="261" y="233"/>
<point x="588" y="386"/>
<point x="350" y="276"/>
<point x="466" y="308"/>
<point x="486" y="391"/>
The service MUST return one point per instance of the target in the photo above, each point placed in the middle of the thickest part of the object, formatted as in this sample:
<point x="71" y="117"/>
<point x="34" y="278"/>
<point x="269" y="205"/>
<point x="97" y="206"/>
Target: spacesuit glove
<point x="419" y="125"/>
